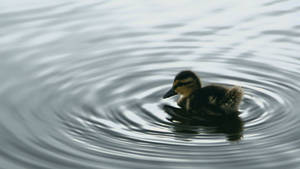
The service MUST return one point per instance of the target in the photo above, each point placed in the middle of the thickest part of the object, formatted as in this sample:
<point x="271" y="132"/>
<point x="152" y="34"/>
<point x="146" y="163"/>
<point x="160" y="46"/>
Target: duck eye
<point x="182" y="84"/>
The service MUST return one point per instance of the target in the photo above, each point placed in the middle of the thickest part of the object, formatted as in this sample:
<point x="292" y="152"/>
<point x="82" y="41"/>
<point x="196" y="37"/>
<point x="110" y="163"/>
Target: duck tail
<point x="234" y="97"/>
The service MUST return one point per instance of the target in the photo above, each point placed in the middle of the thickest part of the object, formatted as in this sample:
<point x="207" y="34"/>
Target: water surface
<point x="82" y="81"/>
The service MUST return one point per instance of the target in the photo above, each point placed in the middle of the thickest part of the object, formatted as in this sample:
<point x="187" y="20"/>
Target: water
<point x="82" y="81"/>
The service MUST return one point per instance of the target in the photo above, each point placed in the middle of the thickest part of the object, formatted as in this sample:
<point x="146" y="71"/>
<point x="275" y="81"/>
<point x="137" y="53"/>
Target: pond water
<point x="82" y="83"/>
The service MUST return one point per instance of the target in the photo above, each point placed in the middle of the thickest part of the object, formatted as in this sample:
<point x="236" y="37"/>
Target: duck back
<point x="233" y="98"/>
<point x="217" y="98"/>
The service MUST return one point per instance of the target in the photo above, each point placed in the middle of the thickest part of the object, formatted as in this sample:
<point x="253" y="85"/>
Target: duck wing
<point x="213" y="95"/>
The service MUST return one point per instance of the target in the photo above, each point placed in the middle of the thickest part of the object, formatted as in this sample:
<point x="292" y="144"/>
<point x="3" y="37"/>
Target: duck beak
<point x="170" y="93"/>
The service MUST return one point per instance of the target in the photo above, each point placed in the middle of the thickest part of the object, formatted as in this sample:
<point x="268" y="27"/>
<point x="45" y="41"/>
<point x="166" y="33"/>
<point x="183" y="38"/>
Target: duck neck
<point x="192" y="90"/>
<point x="199" y="85"/>
<point x="195" y="87"/>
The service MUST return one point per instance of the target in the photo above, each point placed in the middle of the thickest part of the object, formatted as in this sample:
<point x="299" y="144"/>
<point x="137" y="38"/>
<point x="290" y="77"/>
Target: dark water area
<point x="82" y="84"/>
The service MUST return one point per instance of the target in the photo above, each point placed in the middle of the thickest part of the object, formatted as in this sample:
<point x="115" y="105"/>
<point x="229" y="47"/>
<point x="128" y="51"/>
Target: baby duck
<point x="210" y="100"/>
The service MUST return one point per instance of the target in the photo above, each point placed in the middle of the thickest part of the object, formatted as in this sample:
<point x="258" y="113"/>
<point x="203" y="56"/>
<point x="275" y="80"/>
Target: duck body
<point x="221" y="100"/>
<point x="211" y="100"/>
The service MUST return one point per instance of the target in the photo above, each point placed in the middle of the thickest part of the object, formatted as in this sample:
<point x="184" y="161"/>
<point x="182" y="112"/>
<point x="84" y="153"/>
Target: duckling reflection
<point x="189" y="124"/>
<point x="195" y="99"/>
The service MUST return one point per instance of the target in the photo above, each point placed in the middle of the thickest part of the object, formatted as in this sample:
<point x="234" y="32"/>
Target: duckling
<point x="209" y="100"/>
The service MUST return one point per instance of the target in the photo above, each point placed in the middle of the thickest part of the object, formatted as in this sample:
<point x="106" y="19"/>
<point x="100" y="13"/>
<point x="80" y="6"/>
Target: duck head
<point x="185" y="83"/>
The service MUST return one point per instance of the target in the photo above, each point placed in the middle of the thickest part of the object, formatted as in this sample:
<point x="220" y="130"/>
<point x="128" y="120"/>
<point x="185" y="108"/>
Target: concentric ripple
<point x="82" y="84"/>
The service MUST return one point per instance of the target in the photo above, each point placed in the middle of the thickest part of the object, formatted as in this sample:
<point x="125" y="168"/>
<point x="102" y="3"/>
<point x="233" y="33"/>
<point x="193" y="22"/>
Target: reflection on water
<point x="82" y="81"/>
<point x="231" y="126"/>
